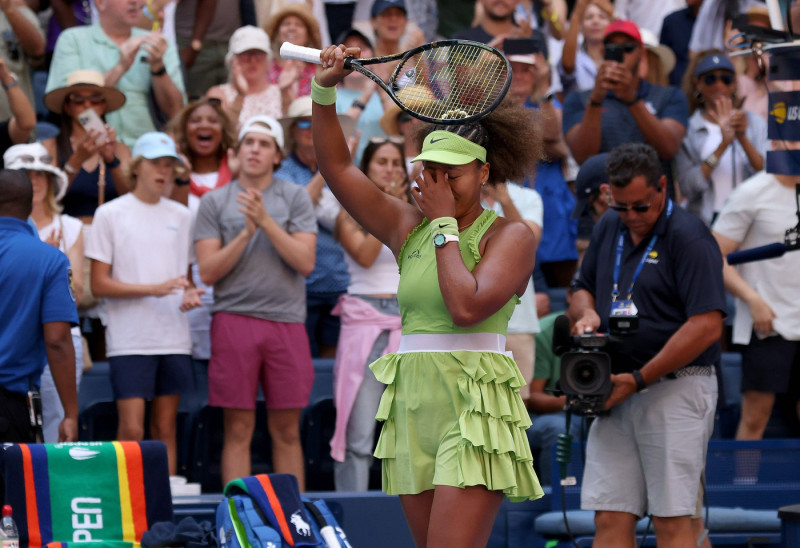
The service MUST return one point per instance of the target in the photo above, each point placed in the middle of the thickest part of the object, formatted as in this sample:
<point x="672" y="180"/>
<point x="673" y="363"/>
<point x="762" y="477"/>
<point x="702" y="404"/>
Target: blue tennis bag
<point x="267" y="511"/>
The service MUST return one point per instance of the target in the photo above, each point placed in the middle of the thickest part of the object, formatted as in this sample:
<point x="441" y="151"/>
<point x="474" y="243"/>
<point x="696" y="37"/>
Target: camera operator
<point x="653" y="264"/>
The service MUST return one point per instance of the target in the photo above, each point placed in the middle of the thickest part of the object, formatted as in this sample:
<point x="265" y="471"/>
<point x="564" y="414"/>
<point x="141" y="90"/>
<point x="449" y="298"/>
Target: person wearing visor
<point x="140" y="247"/>
<point x="461" y="274"/>
<point x="724" y="145"/>
<point x="652" y="276"/>
<point x="63" y="232"/>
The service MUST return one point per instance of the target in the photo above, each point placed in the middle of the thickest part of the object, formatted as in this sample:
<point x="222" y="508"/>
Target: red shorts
<point x="246" y="352"/>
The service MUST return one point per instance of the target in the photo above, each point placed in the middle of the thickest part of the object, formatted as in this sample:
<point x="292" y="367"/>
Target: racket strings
<point x="451" y="82"/>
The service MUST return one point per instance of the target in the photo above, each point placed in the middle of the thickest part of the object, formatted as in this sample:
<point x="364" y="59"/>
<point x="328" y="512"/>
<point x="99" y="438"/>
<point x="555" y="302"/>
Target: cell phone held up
<point x="91" y="121"/>
<point x="614" y="52"/>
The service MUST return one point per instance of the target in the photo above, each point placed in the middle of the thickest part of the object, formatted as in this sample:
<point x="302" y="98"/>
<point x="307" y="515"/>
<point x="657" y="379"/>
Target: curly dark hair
<point x="178" y="126"/>
<point x="510" y="135"/>
<point x="631" y="160"/>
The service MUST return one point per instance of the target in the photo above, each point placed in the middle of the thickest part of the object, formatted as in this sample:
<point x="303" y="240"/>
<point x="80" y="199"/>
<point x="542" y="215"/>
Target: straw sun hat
<point x="84" y="80"/>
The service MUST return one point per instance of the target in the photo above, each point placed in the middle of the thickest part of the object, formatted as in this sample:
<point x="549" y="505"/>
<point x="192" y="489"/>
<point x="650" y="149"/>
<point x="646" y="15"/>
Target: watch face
<point x="439" y="240"/>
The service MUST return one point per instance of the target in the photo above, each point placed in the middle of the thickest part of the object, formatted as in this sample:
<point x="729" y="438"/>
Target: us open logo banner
<point x="784" y="115"/>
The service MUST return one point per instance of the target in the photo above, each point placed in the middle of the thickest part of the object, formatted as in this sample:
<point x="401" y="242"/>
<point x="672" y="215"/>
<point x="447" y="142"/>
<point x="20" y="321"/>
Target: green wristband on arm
<point x="321" y="95"/>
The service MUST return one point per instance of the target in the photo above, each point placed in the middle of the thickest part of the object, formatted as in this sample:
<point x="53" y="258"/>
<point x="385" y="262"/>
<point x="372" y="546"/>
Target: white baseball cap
<point x="266" y="125"/>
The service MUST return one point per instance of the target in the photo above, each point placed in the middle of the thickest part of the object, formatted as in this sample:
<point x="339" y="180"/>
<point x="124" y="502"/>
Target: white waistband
<point x="449" y="342"/>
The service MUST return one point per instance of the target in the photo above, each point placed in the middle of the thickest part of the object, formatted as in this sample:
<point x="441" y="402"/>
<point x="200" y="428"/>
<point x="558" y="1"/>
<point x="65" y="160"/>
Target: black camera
<point x="585" y="369"/>
<point x="586" y="375"/>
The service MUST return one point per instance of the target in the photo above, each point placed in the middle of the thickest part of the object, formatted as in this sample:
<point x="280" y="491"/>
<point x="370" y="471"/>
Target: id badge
<point x="623" y="308"/>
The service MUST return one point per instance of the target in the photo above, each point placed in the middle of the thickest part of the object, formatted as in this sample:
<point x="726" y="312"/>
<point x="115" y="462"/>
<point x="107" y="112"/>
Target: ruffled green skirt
<point x="454" y="418"/>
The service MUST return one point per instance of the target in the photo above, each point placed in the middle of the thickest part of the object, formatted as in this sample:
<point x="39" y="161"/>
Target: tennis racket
<point x="444" y="82"/>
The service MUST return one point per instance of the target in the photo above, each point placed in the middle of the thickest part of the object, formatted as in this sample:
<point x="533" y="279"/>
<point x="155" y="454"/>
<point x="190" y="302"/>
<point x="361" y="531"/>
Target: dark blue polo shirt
<point x="35" y="285"/>
<point x="681" y="277"/>
<point x="618" y="125"/>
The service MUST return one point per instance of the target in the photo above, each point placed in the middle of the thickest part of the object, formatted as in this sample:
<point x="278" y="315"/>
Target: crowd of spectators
<point x="90" y="80"/>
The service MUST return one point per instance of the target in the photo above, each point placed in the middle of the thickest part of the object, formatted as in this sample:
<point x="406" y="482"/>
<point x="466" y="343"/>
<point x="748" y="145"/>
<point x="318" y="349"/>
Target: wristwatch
<point x="711" y="160"/>
<point x="196" y="45"/>
<point x="14" y="82"/>
<point x="439" y="239"/>
<point x="640" y="384"/>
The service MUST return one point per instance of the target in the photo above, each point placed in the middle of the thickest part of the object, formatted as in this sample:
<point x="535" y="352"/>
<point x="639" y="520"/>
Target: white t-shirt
<point x="529" y="204"/>
<point x="757" y="213"/>
<point x="206" y="180"/>
<point x="732" y="164"/>
<point x="144" y="244"/>
<point x="71" y="229"/>
<point x="381" y="278"/>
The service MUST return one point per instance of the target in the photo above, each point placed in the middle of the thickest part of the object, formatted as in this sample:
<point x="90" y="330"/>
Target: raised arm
<point x="387" y="218"/>
<point x="25" y="26"/>
<point x="23" y="117"/>
<point x="364" y="248"/>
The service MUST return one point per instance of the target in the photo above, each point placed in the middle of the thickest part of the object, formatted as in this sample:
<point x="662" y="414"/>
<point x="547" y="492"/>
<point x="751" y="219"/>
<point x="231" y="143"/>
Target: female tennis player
<point x="453" y="441"/>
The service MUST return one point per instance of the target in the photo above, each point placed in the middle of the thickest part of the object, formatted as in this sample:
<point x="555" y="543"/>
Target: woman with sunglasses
<point x="95" y="162"/>
<point x="724" y="145"/>
<point x="370" y="322"/>
<point x="61" y="231"/>
<point x="453" y="441"/>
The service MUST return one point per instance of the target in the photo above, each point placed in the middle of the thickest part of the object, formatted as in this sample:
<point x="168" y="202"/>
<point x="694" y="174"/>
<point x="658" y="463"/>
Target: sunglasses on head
<point x="638" y="208"/>
<point x="710" y="79"/>
<point x="303" y="124"/>
<point x="30" y="159"/>
<point x="81" y="99"/>
<point x="396" y="139"/>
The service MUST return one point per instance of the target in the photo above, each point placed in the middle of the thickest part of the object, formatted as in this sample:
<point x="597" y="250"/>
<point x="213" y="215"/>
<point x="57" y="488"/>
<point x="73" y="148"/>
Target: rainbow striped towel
<point x="95" y="493"/>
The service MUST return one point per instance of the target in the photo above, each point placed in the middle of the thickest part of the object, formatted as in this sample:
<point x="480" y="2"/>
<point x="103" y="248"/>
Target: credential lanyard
<point x="618" y="259"/>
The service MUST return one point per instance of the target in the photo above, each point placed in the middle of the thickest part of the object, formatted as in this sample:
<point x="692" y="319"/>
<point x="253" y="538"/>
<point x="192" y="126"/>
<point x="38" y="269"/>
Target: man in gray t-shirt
<point x="255" y="240"/>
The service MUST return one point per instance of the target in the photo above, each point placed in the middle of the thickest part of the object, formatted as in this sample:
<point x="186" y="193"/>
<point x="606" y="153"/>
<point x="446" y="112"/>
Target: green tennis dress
<point x="451" y="417"/>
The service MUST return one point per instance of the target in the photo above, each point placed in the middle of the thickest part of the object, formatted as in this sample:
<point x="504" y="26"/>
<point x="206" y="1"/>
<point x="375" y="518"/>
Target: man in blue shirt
<point x="622" y="107"/>
<point x="653" y="260"/>
<point x="36" y="313"/>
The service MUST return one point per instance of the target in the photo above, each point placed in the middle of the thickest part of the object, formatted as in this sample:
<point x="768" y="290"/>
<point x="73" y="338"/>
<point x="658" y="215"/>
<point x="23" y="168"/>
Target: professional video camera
<point x="585" y="369"/>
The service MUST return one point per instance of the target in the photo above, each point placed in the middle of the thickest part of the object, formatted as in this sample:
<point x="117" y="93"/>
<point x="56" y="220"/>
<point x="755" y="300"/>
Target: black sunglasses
<point x="710" y="79"/>
<point x="81" y="99"/>
<point x="626" y="47"/>
<point x="639" y="208"/>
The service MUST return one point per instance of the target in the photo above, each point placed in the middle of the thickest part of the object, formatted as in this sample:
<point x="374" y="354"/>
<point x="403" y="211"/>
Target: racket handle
<point x="301" y="53"/>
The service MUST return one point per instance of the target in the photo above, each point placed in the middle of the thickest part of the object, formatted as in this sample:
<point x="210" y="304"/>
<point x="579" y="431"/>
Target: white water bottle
<point x="8" y="529"/>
